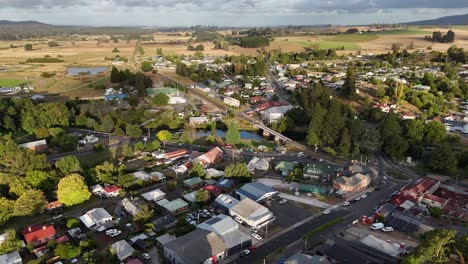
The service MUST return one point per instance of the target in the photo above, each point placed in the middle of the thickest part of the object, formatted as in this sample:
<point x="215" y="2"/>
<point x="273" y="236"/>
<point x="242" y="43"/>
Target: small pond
<point x="75" y="71"/>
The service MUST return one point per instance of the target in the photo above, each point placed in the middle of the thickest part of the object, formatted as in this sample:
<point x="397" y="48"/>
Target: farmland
<point x="11" y="82"/>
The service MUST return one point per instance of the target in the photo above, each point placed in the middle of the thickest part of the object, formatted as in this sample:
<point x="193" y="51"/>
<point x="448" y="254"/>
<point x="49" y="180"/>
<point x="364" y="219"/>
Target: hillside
<point x="447" y="20"/>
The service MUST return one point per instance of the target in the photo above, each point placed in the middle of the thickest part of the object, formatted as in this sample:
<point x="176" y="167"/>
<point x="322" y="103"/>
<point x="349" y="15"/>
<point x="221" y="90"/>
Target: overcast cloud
<point x="227" y="12"/>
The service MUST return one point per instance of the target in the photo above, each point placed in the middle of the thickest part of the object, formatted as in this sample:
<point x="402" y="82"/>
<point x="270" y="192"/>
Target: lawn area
<point x="351" y="38"/>
<point x="11" y="82"/>
<point x="95" y="158"/>
<point x="325" y="44"/>
<point x="403" y="31"/>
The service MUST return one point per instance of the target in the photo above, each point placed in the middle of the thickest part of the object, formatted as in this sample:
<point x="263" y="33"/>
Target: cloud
<point x="32" y="4"/>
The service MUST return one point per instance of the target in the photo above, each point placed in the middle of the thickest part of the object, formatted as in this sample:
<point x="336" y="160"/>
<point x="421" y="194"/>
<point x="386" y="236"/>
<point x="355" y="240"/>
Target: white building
<point x="274" y="114"/>
<point x="96" y="218"/>
<point x="176" y="100"/>
<point x="154" y="195"/>
<point x="231" y="101"/>
<point x="252" y="213"/>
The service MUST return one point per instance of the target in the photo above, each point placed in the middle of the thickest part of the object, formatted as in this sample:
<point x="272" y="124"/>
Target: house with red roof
<point x="433" y="200"/>
<point x="111" y="191"/>
<point x="38" y="234"/>
<point x="255" y="99"/>
<point x="211" y="157"/>
<point x="53" y="206"/>
<point x="213" y="190"/>
<point x="267" y="105"/>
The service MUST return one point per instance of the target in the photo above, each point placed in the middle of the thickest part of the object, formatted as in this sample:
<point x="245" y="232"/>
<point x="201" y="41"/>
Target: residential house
<point x="274" y="114"/>
<point x="202" y="87"/>
<point x="231" y="101"/>
<point x="213" y="190"/>
<point x="54" y="205"/>
<point x="252" y="213"/>
<point x="142" y="175"/>
<point x="211" y="157"/>
<point x="258" y="164"/>
<point x="213" y="173"/>
<point x="347" y="186"/>
<point x="96" y="189"/>
<point x="190" y="197"/>
<point x="267" y="105"/>
<point x="321" y="172"/>
<point x="39" y="234"/>
<point x="285" y="167"/>
<point x="225" y="202"/>
<point x="111" y="191"/>
<point x="131" y="205"/>
<point x="173" y="100"/>
<point x="256" y="191"/>
<point x="193" y="183"/>
<point x="164" y="222"/>
<point x="198" y="120"/>
<point x="408" y="116"/>
<point x="36" y="146"/>
<point x="96" y="218"/>
<point x="122" y="249"/>
<point x="225" y="183"/>
<point x="154" y="195"/>
<point x="174" y="207"/>
<point x="420" y="87"/>
<point x="11" y="258"/>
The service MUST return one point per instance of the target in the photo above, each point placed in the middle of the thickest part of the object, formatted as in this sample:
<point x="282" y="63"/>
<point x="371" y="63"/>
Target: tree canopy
<point x="68" y="165"/>
<point x="201" y="196"/>
<point x="72" y="190"/>
<point x="232" y="134"/>
<point x="31" y="202"/>
<point x="236" y="170"/>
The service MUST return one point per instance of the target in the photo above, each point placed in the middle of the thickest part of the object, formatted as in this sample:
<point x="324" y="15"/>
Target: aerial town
<point x="314" y="143"/>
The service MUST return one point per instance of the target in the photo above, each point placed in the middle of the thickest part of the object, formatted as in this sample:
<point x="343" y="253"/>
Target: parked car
<point x="193" y="223"/>
<point x="245" y="252"/>
<point x="146" y="256"/>
<point x="364" y="196"/>
<point x="357" y="199"/>
<point x="345" y="203"/>
<point x="326" y="211"/>
<point x="257" y="236"/>
<point x="387" y="229"/>
<point x="238" y="220"/>
<point x="253" y="229"/>
<point x="283" y="201"/>
<point x="377" y="226"/>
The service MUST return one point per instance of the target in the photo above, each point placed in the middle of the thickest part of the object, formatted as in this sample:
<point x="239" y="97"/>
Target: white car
<point x="245" y="252"/>
<point x="146" y="256"/>
<point x="257" y="236"/>
<point x="253" y="229"/>
<point x="110" y="231"/>
<point x="387" y="229"/>
<point x="238" y="220"/>
<point x="283" y="201"/>
<point x="363" y="196"/>
<point x="326" y="211"/>
<point x="377" y="226"/>
<point x="357" y="199"/>
<point x="116" y="233"/>
<point x="345" y="203"/>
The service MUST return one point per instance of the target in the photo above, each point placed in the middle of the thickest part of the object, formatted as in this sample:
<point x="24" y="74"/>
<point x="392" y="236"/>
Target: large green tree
<point x="68" y="164"/>
<point x="345" y="143"/>
<point x="349" y="87"/>
<point x="10" y="242"/>
<point x="236" y="170"/>
<point x="30" y="202"/>
<point x="144" y="214"/>
<point x="72" y="190"/>
<point x="164" y="136"/>
<point x="443" y="160"/>
<point x="6" y="209"/>
<point x="140" y="84"/>
<point x="197" y="170"/>
<point x="160" y="99"/>
<point x="434" y="248"/>
<point x="201" y="196"/>
<point x="233" y="134"/>
<point x="67" y="251"/>
<point x="434" y="133"/>
<point x="146" y="66"/>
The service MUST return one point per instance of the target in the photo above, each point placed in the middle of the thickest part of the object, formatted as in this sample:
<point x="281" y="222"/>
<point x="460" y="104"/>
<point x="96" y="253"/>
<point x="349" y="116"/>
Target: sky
<point x="227" y="12"/>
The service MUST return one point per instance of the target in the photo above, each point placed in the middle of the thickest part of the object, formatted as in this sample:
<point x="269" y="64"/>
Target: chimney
<point x="44" y="227"/>
<point x="29" y="229"/>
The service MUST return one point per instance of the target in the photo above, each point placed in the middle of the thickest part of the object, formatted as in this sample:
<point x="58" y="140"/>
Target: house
<point x="408" y="116"/>
<point x="174" y="207"/>
<point x="134" y="261"/>
<point x="300" y="258"/>
<point x="193" y="183"/>
<point x="248" y="85"/>
<point x="347" y="186"/>
<point x="173" y="155"/>
<point x="96" y="218"/>
<point x="213" y="173"/>
<point x="38" y="234"/>
<point x="198" y="120"/>
<point x="228" y="230"/>
<point x="225" y="202"/>
<point x="256" y="191"/>
<point x="274" y="114"/>
<point x="164" y="239"/>
<point x="164" y="222"/>
<point x="96" y="189"/>
<point x="176" y="100"/>
<point x="122" y="249"/>
<point x="11" y="258"/>
<point x="190" y="197"/>
<point x="202" y="87"/>
<point x="421" y="87"/>
<point x="142" y="175"/>
<point x="258" y="164"/>
<point x="157" y="176"/>
<point x="199" y="246"/>
<point x="211" y="157"/>
<point x="36" y="146"/>
<point x="213" y="190"/>
<point x="225" y="183"/>
<point x="154" y="195"/>
<point x="54" y="205"/>
<point x="267" y="105"/>
<point x="252" y="213"/>
<point x="112" y="94"/>
<point x="255" y="99"/>
<point x="231" y="101"/>
<point x="111" y="191"/>
<point x="285" y="167"/>
<point x="434" y="201"/>
<point x="318" y="171"/>
<point x="131" y="206"/>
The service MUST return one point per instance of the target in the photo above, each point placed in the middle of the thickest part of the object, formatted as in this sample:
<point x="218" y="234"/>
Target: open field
<point x="11" y="82"/>
<point x="405" y="31"/>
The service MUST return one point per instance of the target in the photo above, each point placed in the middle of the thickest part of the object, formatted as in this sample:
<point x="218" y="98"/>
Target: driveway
<point x="154" y="256"/>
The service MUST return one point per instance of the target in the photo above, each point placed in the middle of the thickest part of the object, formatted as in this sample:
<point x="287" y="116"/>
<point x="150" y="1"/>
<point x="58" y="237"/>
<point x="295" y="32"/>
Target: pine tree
<point x="115" y="75"/>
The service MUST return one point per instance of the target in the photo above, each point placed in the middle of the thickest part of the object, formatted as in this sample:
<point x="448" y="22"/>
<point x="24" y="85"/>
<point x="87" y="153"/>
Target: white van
<point x="377" y="226"/>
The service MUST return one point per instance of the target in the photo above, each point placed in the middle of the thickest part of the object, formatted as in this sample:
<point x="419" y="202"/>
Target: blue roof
<point x="224" y="183"/>
<point x="254" y="190"/>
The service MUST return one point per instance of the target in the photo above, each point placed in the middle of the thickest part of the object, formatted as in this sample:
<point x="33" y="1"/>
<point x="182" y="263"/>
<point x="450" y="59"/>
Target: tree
<point x="52" y="44"/>
<point x="72" y="190"/>
<point x="68" y="164"/>
<point x="10" y="242"/>
<point x="146" y="66"/>
<point x="443" y="160"/>
<point x="164" y="136"/>
<point x="67" y="251"/>
<point x="133" y="131"/>
<point x="434" y="132"/>
<point x="144" y="214"/>
<point x="197" y="170"/>
<point x="370" y="141"/>
<point x="186" y="136"/>
<point x="435" y="212"/>
<point x="140" y="84"/>
<point x="41" y="180"/>
<point x="108" y="124"/>
<point x="28" y="47"/>
<point x="201" y="196"/>
<point x="414" y="130"/>
<point x="30" y="202"/>
<point x="232" y="134"/>
<point x="345" y="143"/>
<point x="6" y="209"/>
<point x="160" y="99"/>
<point x="72" y="223"/>
<point x="236" y="170"/>
<point x="434" y="248"/>
<point x="115" y="75"/>
<point x="349" y="85"/>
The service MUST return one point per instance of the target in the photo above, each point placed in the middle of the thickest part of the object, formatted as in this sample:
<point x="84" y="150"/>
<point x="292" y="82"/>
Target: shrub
<point x="47" y="74"/>
<point x="72" y="223"/>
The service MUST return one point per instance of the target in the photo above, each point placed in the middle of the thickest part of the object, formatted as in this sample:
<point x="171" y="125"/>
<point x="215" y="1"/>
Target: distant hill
<point x="16" y="30"/>
<point x="443" y="21"/>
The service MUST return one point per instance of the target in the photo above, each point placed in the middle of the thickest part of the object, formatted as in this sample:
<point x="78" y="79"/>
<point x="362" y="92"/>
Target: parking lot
<point x="288" y="214"/>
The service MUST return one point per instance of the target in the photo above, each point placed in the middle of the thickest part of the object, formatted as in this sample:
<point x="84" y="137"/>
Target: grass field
<point x="351" y="38"/>
<point x="403" y="31"/>
<point x="11" y="82"/>
<point x="324" y="44"/>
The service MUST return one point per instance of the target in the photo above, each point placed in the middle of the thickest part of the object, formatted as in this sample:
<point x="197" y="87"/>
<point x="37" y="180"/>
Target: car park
<point x="257" y="236"/>
<point x="146" y="256"/>
<point x="387" y="229"/>
<point x="345" y="203"/>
